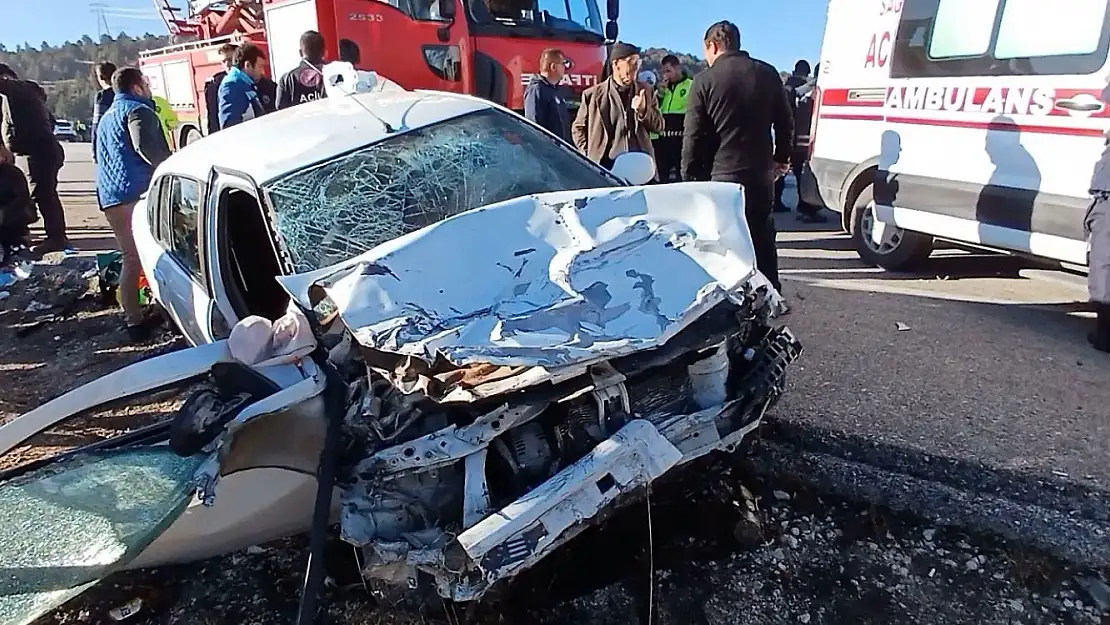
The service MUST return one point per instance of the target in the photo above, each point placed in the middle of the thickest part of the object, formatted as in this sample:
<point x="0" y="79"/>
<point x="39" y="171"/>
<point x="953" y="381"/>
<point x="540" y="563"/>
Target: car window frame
<point x="164" y="230"/>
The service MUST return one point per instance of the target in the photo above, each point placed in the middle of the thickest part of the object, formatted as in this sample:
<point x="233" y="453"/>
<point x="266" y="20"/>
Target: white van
<point x="969" y="120"/>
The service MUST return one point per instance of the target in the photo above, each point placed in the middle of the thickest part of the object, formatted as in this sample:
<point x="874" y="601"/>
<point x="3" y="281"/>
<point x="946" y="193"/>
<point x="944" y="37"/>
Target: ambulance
<point x="976" y="121"/>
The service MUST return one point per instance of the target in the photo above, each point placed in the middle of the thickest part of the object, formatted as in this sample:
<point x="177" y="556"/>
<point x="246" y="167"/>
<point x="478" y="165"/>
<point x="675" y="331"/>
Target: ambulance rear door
<point x="992" y="121"/>
<point x="852" y="83"/>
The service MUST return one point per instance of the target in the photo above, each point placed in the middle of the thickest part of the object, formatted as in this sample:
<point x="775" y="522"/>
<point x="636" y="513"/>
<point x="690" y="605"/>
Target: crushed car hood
<point x="547" y="280"/>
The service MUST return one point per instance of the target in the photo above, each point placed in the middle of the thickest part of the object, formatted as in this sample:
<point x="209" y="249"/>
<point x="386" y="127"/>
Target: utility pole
<point x="101" y="11"/>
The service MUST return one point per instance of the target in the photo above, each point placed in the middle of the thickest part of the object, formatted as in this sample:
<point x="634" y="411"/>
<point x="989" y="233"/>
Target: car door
<point x="179" y="273"/>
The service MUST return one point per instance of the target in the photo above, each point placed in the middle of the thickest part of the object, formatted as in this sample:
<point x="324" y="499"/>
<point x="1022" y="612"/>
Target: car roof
<point x="284" y="141"/>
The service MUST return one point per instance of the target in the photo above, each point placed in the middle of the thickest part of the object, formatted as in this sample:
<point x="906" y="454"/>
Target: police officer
<point x="672" y="103"/>
<point x="305" y="82"/>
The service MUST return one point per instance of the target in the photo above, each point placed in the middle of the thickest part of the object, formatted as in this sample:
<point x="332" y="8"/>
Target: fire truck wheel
<point x="897" y="250"/>
<point x="191" y="136"/>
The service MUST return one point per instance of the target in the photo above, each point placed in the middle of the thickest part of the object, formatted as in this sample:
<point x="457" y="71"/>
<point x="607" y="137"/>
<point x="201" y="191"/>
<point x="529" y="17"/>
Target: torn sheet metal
<point x="547" y="280"/>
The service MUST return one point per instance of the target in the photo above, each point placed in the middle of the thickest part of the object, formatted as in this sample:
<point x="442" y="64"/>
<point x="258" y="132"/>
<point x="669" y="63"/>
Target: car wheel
<point x="192" y="136"/>
<point x="897" y="250"/>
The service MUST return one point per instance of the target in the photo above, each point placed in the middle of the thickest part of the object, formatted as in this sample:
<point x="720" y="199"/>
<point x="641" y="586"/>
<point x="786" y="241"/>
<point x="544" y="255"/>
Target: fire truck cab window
<point x="512" y="9"/>
<point x="572" y="15"/>
<point x="1031" y="28"/>
<point x="962" y="29"/>
<point x="949" y="38"/>
<point x="417" y="9"/>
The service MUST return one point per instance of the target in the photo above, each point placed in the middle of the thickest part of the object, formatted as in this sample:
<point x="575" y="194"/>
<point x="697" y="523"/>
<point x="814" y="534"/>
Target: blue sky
<point x="778" y="32"/>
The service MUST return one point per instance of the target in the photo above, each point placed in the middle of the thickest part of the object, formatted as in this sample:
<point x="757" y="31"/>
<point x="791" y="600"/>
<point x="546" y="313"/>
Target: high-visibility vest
<point x="672" y="101"/>
<point x="168" y="118"/>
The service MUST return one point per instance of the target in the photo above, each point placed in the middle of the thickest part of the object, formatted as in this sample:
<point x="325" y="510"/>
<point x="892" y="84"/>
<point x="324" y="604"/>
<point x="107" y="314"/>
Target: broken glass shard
<point x="71" y="524"/>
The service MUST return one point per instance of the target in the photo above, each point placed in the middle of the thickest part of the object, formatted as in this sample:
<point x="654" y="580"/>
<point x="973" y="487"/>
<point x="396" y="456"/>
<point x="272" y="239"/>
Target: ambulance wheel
<point x="899" y="249"/>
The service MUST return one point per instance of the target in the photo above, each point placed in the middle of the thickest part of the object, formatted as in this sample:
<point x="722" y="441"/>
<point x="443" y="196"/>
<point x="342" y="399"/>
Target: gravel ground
<point x="818" y="561"/>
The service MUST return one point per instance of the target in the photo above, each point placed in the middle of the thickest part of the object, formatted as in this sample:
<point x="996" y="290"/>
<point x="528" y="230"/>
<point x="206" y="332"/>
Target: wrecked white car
<point x="478" y="346"/>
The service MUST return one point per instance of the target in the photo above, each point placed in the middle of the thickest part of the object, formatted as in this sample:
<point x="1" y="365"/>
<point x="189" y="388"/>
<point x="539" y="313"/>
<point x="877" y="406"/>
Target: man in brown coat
<point x="618" y="114"/>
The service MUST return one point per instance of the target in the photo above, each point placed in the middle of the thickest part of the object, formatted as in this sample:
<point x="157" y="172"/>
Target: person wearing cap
<point x="618" y="114"/>
<point x="672" y="104"/>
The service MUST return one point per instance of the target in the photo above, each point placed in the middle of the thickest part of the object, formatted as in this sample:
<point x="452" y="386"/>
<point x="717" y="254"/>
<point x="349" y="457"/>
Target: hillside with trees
<point x="653" y="57"/>
<point x="65" y="71"/>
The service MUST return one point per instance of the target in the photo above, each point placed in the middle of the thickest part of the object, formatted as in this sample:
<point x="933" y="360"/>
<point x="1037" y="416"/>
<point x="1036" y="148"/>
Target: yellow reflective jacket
<point x="672" y="104"/>
<point x="168" y="117"/>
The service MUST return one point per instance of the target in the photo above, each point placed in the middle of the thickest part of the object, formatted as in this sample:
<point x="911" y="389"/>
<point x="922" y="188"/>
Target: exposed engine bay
<point x="457" y="497"/>
<point x="591" y="343"/>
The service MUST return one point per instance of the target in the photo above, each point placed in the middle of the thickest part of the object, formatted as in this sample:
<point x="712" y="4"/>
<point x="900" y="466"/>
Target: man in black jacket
<point x="212" y="88"/>
<point x="802" y="105"/>
<point x="544" y="104"/>
<point x="103" y="98"/>
<point x="305" y="82"/>
<point x="28" y="131"/>
<point x="730" y="113"/>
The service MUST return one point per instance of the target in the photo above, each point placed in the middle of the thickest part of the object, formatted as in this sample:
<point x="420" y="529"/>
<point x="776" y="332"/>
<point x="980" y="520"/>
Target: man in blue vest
<point x="130" y="144"/>
<point x="238" y="96"/>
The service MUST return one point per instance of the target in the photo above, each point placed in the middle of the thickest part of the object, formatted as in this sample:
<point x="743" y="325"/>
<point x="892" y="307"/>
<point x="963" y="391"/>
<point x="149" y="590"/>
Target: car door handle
<point x="1084" y="103"/>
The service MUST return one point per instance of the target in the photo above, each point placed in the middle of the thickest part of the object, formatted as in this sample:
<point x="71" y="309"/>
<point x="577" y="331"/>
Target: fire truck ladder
<point x="208" y="19"/>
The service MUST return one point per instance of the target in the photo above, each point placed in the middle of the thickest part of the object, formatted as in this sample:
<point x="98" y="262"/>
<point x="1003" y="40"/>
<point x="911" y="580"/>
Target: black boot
<point x="1100" y="338"/>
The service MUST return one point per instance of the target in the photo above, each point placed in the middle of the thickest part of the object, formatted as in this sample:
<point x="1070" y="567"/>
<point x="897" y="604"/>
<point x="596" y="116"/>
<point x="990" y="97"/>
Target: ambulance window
<point x="962" y="29"/>
<point x="942" y="38"/>
<point x="1034" y="28"/>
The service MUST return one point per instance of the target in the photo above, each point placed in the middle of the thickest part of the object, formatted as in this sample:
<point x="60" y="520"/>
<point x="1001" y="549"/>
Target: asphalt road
<point x="978" y="360"/>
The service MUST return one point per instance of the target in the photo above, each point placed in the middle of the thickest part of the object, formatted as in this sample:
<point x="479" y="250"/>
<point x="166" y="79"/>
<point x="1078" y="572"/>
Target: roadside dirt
<point x="57" y="333"/>
<point x="814" y="560"/>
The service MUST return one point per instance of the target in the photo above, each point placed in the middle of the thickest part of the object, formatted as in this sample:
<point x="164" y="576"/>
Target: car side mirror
<point x="635" y="167"/>
<point x="447" y="9"/>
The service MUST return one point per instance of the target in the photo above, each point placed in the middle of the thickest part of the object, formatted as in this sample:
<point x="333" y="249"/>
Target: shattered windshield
<point x="343" y="207"/>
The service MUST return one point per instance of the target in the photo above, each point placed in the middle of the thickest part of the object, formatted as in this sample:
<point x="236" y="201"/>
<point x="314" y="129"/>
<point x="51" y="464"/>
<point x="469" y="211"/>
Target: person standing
<point x="103" y="98"/>
<point x="238" y="95"/>
<point x="732" y="109"/>
<point x="28" y="132"/>
<point x="617" y="115"/>
<point x="305" y="82"/>
<point x="130" y="145"/>
<point x="672" y="104"/>
<point x="212" y="87"/>
<point x="802" y="105"/>
<point x="544" y="103"/>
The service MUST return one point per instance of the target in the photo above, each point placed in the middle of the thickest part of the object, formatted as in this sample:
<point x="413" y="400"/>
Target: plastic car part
<point x="204" y="415"/>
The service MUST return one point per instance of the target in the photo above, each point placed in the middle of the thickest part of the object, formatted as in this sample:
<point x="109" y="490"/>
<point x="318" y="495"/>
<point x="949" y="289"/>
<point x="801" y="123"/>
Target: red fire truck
<point x="487" y="48"/>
